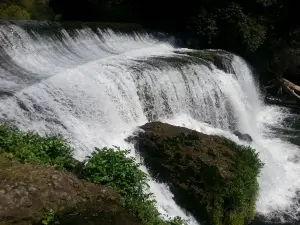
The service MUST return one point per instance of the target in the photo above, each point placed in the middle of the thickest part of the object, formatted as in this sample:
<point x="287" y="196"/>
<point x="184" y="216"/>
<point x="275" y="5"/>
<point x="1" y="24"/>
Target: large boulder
<point x="210" y="176"/>
<point x="28" y="193"/>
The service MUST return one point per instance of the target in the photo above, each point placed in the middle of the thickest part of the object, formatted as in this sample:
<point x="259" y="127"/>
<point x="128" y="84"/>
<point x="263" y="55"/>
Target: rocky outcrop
<point x="221" y="59"/>
<point x="243" y="137"/>
<point x="29" y="192"/>
<point x="210" y="176"/>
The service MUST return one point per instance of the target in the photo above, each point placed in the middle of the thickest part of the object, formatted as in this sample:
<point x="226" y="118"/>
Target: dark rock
<point x="29" y="192"/>
<point x="243" y="137"/>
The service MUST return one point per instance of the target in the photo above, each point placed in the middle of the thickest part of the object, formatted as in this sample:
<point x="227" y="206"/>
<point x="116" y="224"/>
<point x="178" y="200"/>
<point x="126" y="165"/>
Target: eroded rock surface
<point x="28" y="192"/>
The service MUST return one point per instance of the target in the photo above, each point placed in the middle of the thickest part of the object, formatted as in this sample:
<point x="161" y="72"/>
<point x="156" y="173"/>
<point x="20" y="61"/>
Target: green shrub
<point x="32" y="148"/>
<point x="206" y="27"/>
<point x="14" y="12"/>
<point x="251" y="31"/>
<point x="106" y="166"/>
<point x="49" y="218"/>
<point x="25" y="10"/>
<point x="115" y="169"/>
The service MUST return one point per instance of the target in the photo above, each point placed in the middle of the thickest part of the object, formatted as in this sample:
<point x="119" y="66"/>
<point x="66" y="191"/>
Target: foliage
<point x="108" y="167"/>
<point x="25" y="10"/>
<point x="115" y="169"/>
<point x="49" y="218"/>
<point x="246" y="31"/>
<point x="32" y="148"/>
<point x="206" y="27"/>
<point x="14" y="12"/>
<point x="251" y="32"/>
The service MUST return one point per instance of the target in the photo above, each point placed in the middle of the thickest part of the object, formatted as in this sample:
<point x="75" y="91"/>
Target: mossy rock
<point x="221" y="59"/>
<point x="210" y="176"/>
<point x="29" y="192"/>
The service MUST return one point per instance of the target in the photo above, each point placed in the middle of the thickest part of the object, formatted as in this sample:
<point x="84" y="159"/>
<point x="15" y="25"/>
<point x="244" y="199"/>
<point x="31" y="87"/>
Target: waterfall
<point x="96" y="87"/>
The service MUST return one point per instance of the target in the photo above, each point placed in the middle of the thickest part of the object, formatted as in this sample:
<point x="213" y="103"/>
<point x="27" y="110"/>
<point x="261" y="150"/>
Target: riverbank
<point x="43" y="179"/>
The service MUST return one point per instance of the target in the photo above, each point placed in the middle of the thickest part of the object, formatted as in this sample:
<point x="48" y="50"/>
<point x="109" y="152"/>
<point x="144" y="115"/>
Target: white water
<point x="96" y="89"/>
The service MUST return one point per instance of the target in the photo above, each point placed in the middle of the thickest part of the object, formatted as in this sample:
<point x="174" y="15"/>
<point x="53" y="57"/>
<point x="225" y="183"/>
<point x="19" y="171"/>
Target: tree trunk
<point x="291" y="88"/>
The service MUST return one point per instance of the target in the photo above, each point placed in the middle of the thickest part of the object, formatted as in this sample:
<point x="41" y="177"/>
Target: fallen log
<point x="291" y="88"/>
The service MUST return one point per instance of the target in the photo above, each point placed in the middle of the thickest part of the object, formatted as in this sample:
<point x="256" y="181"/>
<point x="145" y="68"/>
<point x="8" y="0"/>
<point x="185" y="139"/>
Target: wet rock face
<point x="28" y="192"/>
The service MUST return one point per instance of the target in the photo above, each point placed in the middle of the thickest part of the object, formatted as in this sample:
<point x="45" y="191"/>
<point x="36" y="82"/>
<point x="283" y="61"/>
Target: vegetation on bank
<point x="108" y="167"/>
<point x="25" y="10"/>
<point x="227" y="194"/>
<point x="29" y="147"/>
<point x="115" y="169"/>
<point x="210" y="176"/>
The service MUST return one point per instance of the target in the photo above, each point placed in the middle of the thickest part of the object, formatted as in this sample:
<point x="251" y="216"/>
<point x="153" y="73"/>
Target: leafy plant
<point x="14" y="12"/>
<point x="32" y="148"/>
<point x="49" y="218"/>
<point x="25" y="10"/>
<point x="110" y="167"/>
<point x="113" y="167"/>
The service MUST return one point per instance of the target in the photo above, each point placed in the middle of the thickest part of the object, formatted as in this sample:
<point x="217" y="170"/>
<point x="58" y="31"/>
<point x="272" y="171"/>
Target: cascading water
<point x="95" y="88"/>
